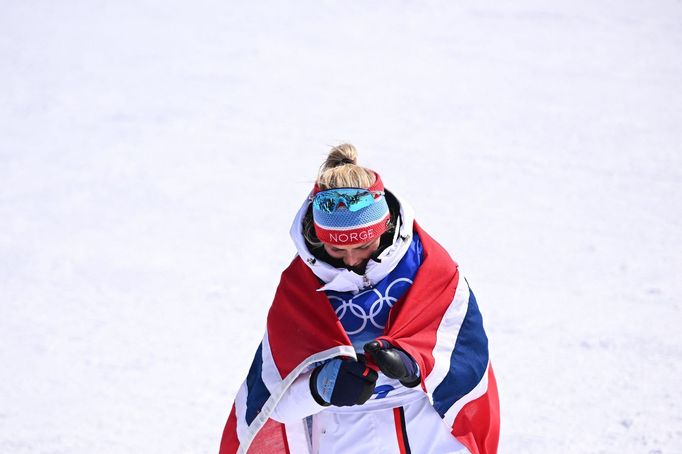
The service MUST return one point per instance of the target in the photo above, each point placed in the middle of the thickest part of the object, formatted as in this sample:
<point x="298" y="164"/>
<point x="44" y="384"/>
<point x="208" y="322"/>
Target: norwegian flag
<point x="437" y="323"/>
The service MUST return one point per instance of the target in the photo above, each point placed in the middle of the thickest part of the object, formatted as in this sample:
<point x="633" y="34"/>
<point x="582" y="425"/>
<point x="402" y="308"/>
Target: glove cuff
<point x="313" y="387"/>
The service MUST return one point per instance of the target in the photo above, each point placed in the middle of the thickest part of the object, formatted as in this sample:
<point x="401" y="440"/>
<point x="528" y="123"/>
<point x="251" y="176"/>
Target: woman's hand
<point x="393" y="362"/>
<point x="342" y="382"/>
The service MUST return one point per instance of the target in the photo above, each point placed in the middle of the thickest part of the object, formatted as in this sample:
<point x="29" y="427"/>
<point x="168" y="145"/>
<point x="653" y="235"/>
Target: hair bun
<point x="341" y="155"/>
<point x="341" y="170"/>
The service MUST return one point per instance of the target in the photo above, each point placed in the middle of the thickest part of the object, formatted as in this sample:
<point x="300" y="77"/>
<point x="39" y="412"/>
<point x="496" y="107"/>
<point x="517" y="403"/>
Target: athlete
<point x="374" y="341"/>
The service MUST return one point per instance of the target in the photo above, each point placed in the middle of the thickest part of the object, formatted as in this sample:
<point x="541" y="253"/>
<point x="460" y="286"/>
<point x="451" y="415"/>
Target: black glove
<point x="342" y="382"/>
<point x="393" y="362"/>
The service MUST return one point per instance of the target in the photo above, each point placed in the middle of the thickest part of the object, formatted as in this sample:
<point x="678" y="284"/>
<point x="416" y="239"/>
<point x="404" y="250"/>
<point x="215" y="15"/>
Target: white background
<point x="153" y="155"/>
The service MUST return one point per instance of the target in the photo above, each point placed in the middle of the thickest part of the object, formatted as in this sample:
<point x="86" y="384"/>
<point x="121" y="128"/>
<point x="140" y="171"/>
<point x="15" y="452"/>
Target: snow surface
<point x="153" y="154"/>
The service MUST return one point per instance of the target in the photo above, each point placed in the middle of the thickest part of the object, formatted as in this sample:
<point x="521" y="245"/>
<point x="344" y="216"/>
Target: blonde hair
<point x="340" y="170"/>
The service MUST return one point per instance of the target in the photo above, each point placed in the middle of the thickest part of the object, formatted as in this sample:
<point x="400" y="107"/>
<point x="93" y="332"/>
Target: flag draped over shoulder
<point x="437" y="322"/>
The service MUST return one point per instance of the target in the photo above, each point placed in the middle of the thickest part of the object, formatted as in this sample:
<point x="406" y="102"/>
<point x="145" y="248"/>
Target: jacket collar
<point x="343" y="280"/>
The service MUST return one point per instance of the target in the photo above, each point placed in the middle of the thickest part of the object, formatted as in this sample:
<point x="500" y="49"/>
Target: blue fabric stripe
<point x="468" y="361"/>
<point x="258" y="393"/>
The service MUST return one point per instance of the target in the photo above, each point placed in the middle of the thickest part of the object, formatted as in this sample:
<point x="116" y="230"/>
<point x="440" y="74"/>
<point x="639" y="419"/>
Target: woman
<point x="374" y="342"/>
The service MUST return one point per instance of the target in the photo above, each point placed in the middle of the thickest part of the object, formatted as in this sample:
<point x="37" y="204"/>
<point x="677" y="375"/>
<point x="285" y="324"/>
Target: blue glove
<point x="342" y="382"/>
<point x="393" y="362"/>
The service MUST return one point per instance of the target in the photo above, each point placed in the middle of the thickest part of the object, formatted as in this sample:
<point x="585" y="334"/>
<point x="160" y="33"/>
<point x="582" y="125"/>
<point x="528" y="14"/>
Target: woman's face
<point x="354" y="256"/>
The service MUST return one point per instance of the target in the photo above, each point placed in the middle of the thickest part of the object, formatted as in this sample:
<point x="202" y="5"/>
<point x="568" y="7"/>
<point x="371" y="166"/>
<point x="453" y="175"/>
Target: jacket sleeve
<point x="296" y="402"/>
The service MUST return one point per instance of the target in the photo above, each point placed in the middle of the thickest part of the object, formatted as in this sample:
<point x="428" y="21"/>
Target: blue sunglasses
<point x="352" y="199"/>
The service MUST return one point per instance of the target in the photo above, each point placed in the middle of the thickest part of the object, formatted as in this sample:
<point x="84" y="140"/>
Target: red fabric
<point x="477" y="425"/>
<point x="270" y="439"/>
<point x="301" y="322"/>
<point x="414" y="320"/>
<point x="229" y="443"/>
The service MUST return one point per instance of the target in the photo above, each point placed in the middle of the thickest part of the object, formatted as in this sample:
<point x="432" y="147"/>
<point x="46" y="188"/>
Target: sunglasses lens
<point x="350" y="199"/>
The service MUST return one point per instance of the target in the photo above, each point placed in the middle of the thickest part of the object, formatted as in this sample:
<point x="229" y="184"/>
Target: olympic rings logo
<point x="351" y="313"/>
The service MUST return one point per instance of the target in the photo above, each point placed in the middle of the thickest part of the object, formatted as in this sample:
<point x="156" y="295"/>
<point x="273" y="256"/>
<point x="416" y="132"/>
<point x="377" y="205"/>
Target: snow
<point x="153" y="154"/>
